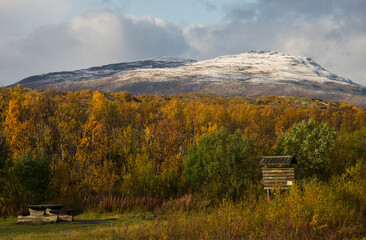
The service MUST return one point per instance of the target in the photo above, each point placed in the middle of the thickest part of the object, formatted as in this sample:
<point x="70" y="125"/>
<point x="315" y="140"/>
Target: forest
<point x="99" y="151"/>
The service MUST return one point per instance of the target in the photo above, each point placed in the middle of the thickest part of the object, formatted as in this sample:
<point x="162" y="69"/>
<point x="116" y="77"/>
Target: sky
<point x="41" y="36"/>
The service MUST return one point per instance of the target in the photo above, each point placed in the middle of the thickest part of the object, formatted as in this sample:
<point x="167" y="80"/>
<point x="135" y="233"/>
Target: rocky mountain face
<point x="255" y="73"/>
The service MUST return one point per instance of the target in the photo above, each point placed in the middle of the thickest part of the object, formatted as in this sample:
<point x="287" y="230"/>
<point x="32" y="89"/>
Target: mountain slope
<point x="255" y="73"/>
<point x="50" y="80"/>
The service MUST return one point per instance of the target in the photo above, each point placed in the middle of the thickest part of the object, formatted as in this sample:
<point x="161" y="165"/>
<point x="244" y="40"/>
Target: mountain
<point x="255" y="73"/>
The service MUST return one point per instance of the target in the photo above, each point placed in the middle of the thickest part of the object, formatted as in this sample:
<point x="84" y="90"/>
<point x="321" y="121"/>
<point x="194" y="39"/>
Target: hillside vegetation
<point x="114" y="152"/>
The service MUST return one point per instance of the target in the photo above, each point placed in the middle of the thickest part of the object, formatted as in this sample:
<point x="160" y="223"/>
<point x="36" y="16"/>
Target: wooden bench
<point x="65" y="215"/>
<point x="47" y="213"/>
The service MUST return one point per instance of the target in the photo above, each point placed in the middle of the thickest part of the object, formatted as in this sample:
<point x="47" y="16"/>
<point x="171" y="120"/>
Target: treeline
<point x="73" y="147"/>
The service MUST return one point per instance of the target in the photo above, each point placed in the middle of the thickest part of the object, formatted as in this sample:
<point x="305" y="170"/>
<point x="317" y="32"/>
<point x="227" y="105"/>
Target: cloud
<point x="332" y="32"/>
<point x="18" y="16"/>
<point x="91" y="39"/>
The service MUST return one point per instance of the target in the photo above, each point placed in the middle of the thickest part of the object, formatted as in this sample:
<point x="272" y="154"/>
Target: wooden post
<point x="268" y="194"/>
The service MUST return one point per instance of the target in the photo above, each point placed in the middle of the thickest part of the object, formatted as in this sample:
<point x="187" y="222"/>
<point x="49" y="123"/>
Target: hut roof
<point x="277" y="160"/>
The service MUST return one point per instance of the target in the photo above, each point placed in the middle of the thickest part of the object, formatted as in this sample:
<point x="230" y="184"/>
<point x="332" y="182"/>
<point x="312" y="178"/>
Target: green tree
<point x="4" y="166"/>
<point x="29" y="179"/>
<point x="221" y="164"/>
<point x="311" y="143"/>
<point x="350" y="146"/>
<point x="140" y="179"/>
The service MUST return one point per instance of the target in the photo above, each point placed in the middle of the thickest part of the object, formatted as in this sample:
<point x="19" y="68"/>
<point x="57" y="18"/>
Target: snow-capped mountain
<point x="254" y="73"/>
<point x="50" y="79"/>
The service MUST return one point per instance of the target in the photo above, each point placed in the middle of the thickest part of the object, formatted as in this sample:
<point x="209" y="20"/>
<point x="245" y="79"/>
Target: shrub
<point x="29" y="179"/>
<point x="221" y="165"/>
<point x="311" y="143"/>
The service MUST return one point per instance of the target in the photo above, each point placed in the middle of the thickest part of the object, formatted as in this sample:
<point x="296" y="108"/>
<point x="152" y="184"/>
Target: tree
<point x="4" y="166"/>
<point x="350" y="147"/>
<point x="221" y="164"/>
<point x="140" y="179"/>
<point x="17" y="128"/>
<point x="97" y="171"/>
<point x="29" y="178"/>
<point x="311" y="143"/>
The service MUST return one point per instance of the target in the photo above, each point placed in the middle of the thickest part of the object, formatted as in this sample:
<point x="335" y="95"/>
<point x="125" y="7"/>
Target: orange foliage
<point x="96" y="138"/>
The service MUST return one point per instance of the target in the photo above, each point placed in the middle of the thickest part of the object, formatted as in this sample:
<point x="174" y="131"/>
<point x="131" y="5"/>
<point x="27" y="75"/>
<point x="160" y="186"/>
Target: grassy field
<point x="260" y="220"/>
<point x="86" y="226"/>
<point x="312" y="210"/>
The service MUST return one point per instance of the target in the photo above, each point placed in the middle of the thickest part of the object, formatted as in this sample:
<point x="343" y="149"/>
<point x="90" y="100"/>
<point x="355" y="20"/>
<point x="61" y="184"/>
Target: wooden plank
<point x="48" y="211"/>
<point x="278" y="181"/>
<point x="278" y="173"/>
<point x="271" y="188"/>
<point x="276" y="185"/>
<point x="63" y="211"/>
<point x="65" y="218"/>
<point x="44" y="206"/>
<point x="283" y="175"/>
<point x="37" y="219"/>
<point x="274" y="168"/>
<point x="277" y="170"/>
<point x="36" y="212"/>
<point x="272" y="185"/>
<point x="279" y="177"/>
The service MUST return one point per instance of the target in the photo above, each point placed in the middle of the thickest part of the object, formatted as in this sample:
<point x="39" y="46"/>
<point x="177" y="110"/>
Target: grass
<point x="310" y="210"/>
<point x="227" y="221"/>
<point x="88" y="225"/>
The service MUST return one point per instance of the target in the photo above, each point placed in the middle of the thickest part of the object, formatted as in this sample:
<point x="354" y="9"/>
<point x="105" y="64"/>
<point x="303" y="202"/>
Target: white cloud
<point x="91" y="39"/>
<point x="333" y="32"/>
<point x="19" y="16"/>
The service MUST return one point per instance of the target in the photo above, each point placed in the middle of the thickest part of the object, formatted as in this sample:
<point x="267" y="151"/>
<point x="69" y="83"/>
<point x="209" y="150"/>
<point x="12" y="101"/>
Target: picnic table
<point x="47" y="213"/>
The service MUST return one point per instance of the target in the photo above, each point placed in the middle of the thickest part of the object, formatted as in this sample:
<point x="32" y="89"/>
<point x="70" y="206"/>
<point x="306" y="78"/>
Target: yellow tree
<point x="18" y="130"/>
<point x="96" y="169"/>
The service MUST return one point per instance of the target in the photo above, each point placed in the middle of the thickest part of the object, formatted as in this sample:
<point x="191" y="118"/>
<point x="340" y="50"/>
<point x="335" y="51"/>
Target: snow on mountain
<point x="254" y="67"/>
<point x="254" y="73"/>
<point x="49" y="79"/>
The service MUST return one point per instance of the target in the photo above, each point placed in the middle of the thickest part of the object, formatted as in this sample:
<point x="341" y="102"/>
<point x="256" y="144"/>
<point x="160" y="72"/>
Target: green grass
<point x="87" y="225"/>
<point x="259" y="220"/>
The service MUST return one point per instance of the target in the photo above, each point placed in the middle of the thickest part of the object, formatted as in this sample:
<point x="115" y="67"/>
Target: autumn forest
<point x="116" y="152"/>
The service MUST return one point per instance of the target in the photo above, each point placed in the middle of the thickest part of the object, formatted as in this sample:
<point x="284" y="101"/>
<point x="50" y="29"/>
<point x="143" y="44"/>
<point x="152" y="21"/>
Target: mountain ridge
<point x="103" y="71"/>
<point x="255" y="73"/>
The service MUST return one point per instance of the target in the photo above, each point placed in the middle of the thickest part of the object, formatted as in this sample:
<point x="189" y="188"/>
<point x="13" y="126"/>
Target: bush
<point x="312" y="144"/>
<point x="29" y="179"/>
<point x="222" y="164"/>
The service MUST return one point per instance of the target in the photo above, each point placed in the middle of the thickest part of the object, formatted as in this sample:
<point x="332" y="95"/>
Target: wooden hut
<point x="278" y="171"/>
